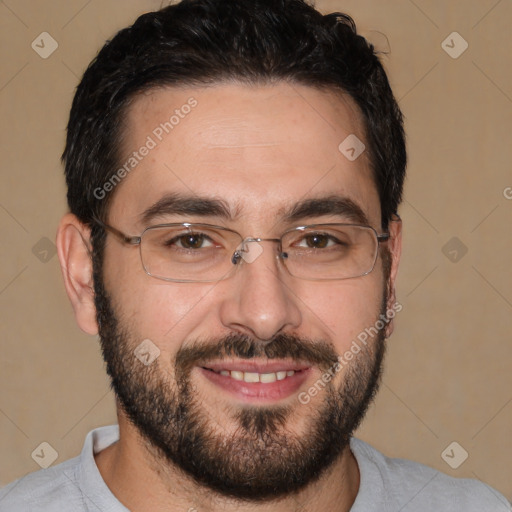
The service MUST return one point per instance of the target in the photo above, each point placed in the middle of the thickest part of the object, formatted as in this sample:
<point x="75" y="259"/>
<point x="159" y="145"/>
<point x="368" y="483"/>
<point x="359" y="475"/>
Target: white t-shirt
<point x="387" y="485"/>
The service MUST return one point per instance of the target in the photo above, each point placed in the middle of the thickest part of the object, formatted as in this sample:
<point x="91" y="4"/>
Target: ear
<point x="395" y="250"/>
<point x="75" y="256"/>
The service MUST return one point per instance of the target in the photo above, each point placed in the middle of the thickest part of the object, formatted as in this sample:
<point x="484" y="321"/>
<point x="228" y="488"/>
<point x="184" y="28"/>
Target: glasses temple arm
<point x="384" y="237"/>
<point x="132" y="240"/>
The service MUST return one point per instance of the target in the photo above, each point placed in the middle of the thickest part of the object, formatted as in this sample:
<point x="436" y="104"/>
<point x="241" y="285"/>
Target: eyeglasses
<point x="189" y="253"/>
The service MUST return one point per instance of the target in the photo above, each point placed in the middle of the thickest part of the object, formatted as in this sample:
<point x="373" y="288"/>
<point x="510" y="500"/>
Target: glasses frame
<point x="237" y="257"/>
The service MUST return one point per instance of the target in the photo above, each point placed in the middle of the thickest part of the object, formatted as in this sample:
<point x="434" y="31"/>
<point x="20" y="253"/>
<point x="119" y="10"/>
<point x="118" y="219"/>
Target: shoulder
<point x="75" y="485"/>
<point x="413" y="486"/>
<point x="44" y="489"/>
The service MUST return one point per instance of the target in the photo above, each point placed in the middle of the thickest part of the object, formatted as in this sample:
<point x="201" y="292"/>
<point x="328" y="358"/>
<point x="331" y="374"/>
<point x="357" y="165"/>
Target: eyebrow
<point x="177" y="204"/>
<point x="331" y="205"/>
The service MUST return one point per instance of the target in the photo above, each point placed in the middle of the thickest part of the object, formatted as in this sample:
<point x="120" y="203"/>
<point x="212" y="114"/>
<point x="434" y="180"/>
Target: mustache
<point x="282" y="346"/>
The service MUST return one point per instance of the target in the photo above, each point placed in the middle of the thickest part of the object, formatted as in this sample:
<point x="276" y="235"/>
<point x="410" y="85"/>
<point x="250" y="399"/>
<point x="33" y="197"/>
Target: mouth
<point x="261" y="382"/>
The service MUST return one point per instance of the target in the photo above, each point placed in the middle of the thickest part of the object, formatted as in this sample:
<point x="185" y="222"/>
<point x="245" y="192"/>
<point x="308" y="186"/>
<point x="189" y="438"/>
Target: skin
<point x="259" y="149"/>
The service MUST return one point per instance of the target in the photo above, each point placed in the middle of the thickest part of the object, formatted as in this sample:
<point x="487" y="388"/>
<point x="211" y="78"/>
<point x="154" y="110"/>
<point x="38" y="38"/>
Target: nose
<point x="260" y="301"/>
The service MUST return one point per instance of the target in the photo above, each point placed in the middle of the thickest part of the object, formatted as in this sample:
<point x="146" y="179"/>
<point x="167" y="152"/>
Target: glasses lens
<point x="330" y="251"/>
<point x="188" y="253"/>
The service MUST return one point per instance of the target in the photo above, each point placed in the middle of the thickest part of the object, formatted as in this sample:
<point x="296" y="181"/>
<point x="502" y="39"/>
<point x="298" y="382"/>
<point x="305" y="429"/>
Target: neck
<point x="143" y="482"/>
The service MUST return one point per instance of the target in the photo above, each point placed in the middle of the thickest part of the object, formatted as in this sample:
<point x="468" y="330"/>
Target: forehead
<point x="260" y="149"/>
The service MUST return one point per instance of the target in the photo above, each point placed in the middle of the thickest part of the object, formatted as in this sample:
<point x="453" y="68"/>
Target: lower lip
<point x="258" y="391"/>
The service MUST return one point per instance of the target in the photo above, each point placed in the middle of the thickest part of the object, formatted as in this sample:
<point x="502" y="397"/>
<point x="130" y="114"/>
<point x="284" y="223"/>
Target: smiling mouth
<point x="265" y="378"/>
<point x="261" y="381"/>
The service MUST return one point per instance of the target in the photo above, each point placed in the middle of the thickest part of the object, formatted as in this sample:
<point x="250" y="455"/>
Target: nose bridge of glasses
<point x="252" y="239"/>
<point x="248" y="251"/>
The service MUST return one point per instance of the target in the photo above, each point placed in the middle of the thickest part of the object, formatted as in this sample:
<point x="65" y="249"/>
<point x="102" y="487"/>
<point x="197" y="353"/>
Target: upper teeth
<point x="257" y="377"/>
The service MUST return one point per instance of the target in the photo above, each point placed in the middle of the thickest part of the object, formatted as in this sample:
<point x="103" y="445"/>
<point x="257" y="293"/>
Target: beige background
<point x="448" y="372"/>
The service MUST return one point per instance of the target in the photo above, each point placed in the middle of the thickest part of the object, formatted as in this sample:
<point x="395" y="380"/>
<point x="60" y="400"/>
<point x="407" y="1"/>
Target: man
<point x="234" y="170"/>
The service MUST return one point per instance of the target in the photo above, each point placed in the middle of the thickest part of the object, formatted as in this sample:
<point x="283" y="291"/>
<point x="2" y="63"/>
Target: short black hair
<point x="201" y="42"/>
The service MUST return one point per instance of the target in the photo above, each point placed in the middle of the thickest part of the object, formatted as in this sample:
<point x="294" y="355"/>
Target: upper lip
<point x="256" y="366"/>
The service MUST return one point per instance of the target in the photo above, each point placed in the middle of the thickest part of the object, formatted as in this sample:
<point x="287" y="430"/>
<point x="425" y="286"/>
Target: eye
<point x="191" y="241"/>
<point x="318" y="241"/>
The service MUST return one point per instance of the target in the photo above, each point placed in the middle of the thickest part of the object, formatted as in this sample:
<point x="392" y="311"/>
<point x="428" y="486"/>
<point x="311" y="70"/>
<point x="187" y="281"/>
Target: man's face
<point x="260" y="151"/>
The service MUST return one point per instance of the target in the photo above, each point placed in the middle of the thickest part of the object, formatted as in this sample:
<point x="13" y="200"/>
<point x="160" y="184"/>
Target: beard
<point x="260" y="459"/>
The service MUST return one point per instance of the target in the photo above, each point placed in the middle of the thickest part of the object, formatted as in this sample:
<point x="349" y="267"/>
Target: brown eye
<point x="192" y="241"/>
<point x="317" y="241"/>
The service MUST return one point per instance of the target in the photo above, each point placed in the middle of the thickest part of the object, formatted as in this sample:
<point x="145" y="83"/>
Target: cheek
<point x="343" y="309"/>
<point x="149" y="307"/>
<point x="163" y="311"/>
